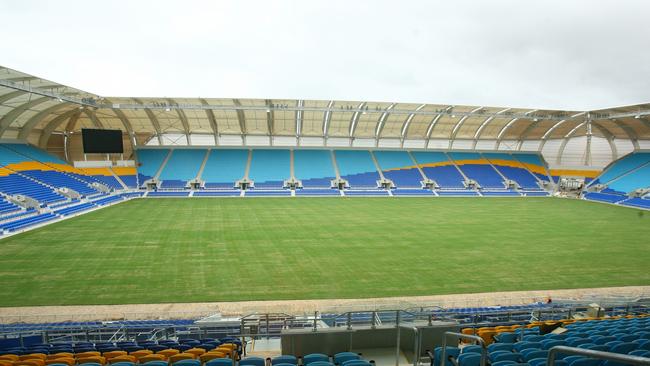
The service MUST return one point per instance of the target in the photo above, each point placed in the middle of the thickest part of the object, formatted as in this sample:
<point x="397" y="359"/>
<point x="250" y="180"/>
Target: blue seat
<point x="535" y="354"/>
<point x="506" y="337"/>
<point x="283" y="364"/>
<point x="314" y="357"/>
<point x="599" y="347"/>
<point x="191" y="342"/>
<point x="625" y="347"/>
<point x="542" y="362"/>
<point x="252" y="361"/>
<point x="516" y="357"/>
<point x="469" y="359"/>
<point x="356" y="363"/>
<point x="603" y="339"/>
<point x="526" y="351"/>
<point x="217" y="362"/>
<point x="583" y="361"/>
<point x="156" y="348"/>
<point x="472" y="349"/>
<point x="519" y="346"/>
<point x="533" y="338"/>
<point x="562" y="336"/>
<point x="495" y="354"/>
<point x="156" y="363"/>
<point x="189" y="363"/>
<point x="498" y="347"/>
<point x="575" y="342"/>
<point x="437" y="352"/>
<point x="321" y="363"/>
<point x="640" y="353"/>
<point x="504" y="363"/>
<point x="550" y="343"/>
<point x="626" y="337"/>
<point x="123" y="364"/>
<point x="287" y="359"/>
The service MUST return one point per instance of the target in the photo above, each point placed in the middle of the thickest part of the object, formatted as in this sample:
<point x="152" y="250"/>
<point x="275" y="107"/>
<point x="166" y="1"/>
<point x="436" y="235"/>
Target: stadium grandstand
<point x="560" y="186"/>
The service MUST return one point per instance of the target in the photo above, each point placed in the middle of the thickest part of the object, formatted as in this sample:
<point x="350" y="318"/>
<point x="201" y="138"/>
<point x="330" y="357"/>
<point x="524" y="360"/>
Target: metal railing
<point x="609" y="356"/>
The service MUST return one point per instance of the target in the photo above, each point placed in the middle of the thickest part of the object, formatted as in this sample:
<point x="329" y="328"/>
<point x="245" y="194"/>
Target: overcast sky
<point x="544" y="54"/>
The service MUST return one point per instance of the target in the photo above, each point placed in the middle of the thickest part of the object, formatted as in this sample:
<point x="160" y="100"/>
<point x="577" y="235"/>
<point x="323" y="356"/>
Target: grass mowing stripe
<point x="194" y="250"/>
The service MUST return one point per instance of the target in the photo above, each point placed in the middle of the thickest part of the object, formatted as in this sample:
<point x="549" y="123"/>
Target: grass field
<point x="194" y="250"/>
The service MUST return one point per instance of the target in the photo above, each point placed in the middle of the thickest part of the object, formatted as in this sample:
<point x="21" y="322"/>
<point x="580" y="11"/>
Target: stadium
<point x="199" y="231"/>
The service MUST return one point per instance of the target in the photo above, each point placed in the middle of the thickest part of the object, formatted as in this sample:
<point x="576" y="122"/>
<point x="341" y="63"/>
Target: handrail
<point x="443" y="358"/>
<point x="617" y="357"/>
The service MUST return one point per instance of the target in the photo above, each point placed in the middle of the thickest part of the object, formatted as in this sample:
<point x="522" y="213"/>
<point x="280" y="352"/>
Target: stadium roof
<point x="33" y="108"/>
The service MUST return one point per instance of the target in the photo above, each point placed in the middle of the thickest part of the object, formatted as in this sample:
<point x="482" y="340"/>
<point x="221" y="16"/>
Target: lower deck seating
<point x="168" y="194"/>
<point x="447" y="176"/>
<point x="7" y="207"/>
<point x="412" y="192"/>
<point x="210" y="185"/>
<point x="219" y="193"/>
<point x="266" y="193"/>
<point x="457" y="193"/>
<point x="30" y="221"/>
<point x="604" y="197"/>
<point x="503" y="193"/>
<point x="317" y="192"/>
<point x="60" y="179"/>
<point x="74" y="209"/>
<point x="637" y="202"/>
<point x="377" y="192"/>
<point x="173" y="184"/>
<point x="18" y="184"/>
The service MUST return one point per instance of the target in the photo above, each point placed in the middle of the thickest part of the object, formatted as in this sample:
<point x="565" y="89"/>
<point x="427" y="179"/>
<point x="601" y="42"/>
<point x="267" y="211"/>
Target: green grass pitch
<point x="212" y="249"/>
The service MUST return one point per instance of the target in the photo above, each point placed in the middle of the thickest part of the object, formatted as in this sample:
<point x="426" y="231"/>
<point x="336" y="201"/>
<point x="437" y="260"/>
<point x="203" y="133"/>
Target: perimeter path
<point x="32" y="314"/>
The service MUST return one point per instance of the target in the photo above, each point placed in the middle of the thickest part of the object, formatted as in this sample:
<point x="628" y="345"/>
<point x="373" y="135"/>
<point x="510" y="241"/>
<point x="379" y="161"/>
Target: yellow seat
<point x="113" y="354"/>
<point x="181" y="356"/>
<point x="168" y="352"/>
<point x="6" y="363"/>
<point x="65" y="360"/>
<point x="92" y="359"/>
<point x="123" y="358"/>
<point x="141" y="353"/>
<point x="487" y="335"/>
<point x="211" y="356"/>
<point x="30" y="362"/>
<point x="31" y="356"/>
<point x="87" y="354"/>
<point x="154" y="357"/>
<point x="60" y="355"/>
<point x="10" y="357"/>
<point x="196" y="351"/>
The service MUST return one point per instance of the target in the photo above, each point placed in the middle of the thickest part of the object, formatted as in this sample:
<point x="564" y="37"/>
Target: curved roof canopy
<point x="34" y="108"/>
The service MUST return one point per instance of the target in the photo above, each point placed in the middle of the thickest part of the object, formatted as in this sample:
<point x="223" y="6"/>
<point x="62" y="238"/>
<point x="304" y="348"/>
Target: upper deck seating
<point x="622" y="166"/>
